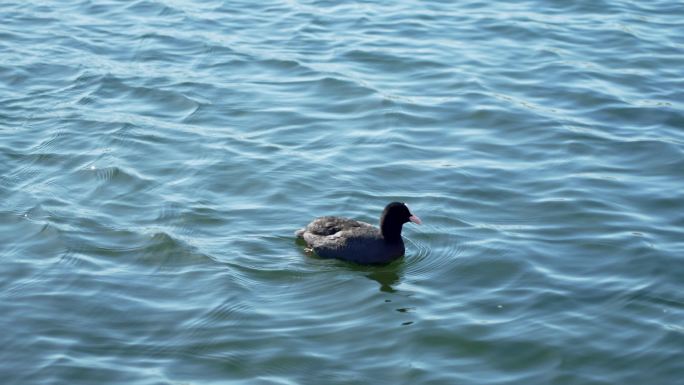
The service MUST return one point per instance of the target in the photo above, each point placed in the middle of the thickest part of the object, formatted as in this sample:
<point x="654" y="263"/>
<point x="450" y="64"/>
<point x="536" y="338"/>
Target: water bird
<point x="359" y="242"/>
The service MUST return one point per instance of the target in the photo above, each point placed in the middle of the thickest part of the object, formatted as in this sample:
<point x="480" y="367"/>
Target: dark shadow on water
<point x="387" y="276"/>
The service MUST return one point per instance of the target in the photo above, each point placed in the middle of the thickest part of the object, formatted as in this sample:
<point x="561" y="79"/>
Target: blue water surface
<point x="157" y="156"/>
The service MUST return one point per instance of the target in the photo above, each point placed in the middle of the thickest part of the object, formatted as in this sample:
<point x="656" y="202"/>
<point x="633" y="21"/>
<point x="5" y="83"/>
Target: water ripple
<point x="155" y="158"/>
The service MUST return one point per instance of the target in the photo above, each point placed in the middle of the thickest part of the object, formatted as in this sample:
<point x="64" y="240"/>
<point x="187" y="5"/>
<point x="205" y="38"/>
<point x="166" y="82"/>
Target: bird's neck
<point x="391" y="232"/>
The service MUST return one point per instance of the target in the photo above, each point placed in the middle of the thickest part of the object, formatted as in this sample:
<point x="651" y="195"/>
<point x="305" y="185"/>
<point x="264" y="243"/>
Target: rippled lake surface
<point x="157" y="156"/>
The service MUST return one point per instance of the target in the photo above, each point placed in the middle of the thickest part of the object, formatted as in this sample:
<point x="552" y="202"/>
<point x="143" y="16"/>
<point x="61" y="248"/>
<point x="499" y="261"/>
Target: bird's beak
<point x="415" y="219"/>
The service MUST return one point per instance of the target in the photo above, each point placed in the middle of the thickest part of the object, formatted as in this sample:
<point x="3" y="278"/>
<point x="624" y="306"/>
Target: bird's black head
<point x="393" y="218"/>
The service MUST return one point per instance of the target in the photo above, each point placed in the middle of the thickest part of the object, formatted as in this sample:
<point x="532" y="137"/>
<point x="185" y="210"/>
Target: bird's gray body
<point x="350" y="240"/>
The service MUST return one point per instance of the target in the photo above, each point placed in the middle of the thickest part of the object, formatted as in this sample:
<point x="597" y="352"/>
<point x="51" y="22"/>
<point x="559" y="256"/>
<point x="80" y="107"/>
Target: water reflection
<point x="387" y="276"/>
<point x="386" y="279"/>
